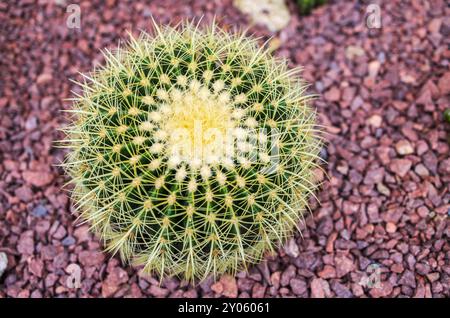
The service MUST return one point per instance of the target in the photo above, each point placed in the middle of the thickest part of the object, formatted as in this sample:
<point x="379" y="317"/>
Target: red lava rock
<point x="333" y="95"/>
<point x="24" y="293"/>
<point x="217" y="288"/>
<point x="444" y="166"/>
<point x="330" y="242"/>
<point x="287" y="275"/>
<point x="327" y="272"/>
<point x="325" y="226"/>
<point x="357" y="290"/>
<point x="344" y="265"/>
<point x="298" y="286"/>
<point x="432" y="277"/>
<point x="422" y="147"/>
<point x="341" y="290"/>
<point x="48" y="252"/>
<point x="191" y="293"/>
<point x="408" y="279"/>
<point x="384" y="290"/>
<point x="82" y="233"/>
<point x="421" y="291"/>
<point x="13" y="291"/>
<point x="50" y="280"/>
<point x="36" y="294"/>
<point x="60" y="260"/>
<point x="320" y="288"/>
<point x="3" y="102"/>
<point x="36" y="267"/>
<point x="25" y="245"/>
<point x="421" y="170"/>
<point x="275" y="279"/>
<point x="112" y="283"/>
<point x="422" y="269"/>
<point x="444" y="84"/>
<point x="38" y="178"/>
<point x="350" y="208"/>
<point x="60" y="233"/>
<point x="374" y="176"/>
<point x="400" y="166"/>
<point x="425" y="98"/>
<point x="229" y="284"/>
<point x="264" y="270"/>
<point x="24" y="193"/>
<point x="244" y="284"/>
<point x="291" y="248"/>
<point x="258" y="291"/>
<point x="158" y="292"/>
<point x="91" y="258"/>
<point x="135" y="291"/>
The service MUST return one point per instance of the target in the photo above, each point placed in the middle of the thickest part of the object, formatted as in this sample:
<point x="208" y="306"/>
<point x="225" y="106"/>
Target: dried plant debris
<point x="273" y="14"/>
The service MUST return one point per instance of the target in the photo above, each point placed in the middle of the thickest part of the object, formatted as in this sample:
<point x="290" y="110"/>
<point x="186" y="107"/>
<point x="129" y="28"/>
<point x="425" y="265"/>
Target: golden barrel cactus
<point x="192" y="151"/>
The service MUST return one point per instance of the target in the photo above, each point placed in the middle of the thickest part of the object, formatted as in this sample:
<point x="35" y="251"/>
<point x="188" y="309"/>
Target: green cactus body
<point x="447" y="115"/>
<point x="153" y="196"/>
<point x="306" y="6"/>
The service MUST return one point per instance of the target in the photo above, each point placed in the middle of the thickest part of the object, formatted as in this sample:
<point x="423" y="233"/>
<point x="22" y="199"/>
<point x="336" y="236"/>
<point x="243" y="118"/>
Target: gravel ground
<point x="382" y="228"/>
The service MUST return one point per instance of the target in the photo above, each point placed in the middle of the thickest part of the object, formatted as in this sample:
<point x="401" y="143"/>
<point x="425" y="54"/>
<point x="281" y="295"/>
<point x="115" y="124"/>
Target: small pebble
<point x="69" y="240"/>
<point x="39" y="211"/>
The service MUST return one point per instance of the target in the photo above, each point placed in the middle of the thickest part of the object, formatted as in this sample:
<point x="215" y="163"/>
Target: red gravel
<point x="383" y="211"/>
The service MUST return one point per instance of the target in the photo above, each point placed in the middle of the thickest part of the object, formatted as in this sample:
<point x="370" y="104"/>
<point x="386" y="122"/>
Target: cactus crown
<point x="150" y="151"/>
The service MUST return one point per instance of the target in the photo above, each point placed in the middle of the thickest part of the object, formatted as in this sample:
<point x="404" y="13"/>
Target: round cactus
<point x="192" y="151"/>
